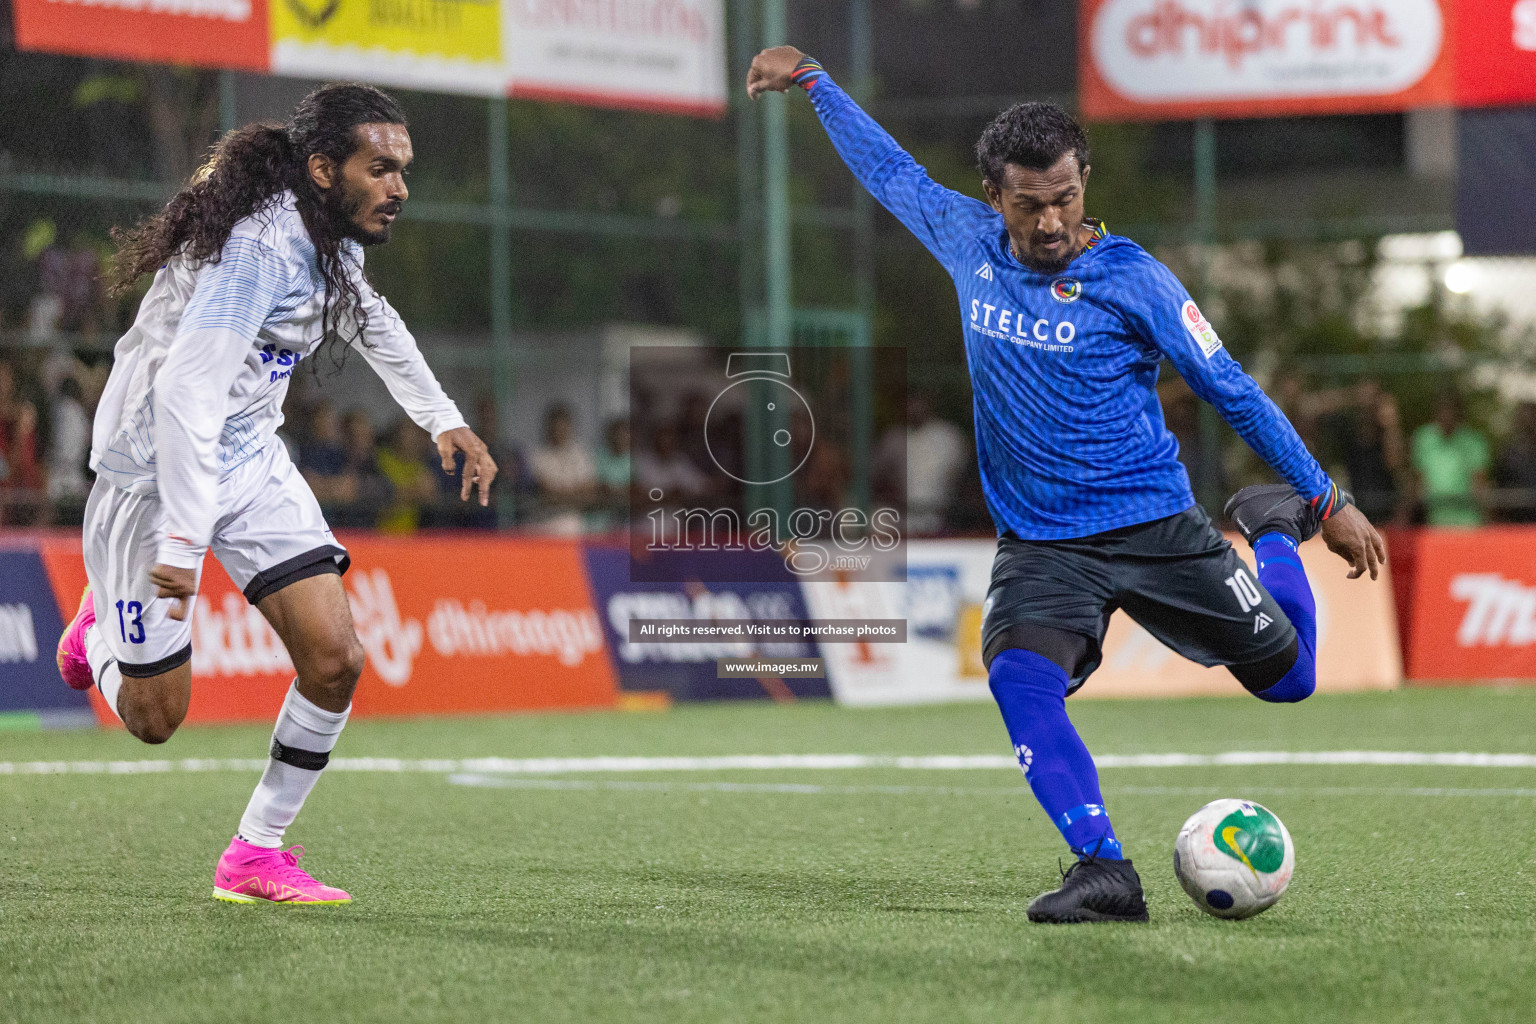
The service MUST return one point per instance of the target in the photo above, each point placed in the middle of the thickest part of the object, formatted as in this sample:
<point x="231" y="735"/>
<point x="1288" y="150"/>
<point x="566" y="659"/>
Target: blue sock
<point x="1282" y="575"/>
<point x="1031" y="692"/>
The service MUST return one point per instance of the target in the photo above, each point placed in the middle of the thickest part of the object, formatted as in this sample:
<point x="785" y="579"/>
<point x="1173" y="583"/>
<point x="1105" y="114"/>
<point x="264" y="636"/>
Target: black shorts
<point x="1178" y="577"/>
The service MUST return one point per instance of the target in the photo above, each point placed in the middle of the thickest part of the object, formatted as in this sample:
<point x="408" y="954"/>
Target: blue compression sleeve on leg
<point x="1031" y="692"/>
<point x="1282" y="575"/>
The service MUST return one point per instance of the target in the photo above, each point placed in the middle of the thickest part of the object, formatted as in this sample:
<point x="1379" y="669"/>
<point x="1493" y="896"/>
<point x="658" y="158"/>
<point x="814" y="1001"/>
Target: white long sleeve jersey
<point x="198" y="382"/>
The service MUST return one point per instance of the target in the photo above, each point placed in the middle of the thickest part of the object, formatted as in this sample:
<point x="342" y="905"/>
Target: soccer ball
<point x="1234" y="858"/>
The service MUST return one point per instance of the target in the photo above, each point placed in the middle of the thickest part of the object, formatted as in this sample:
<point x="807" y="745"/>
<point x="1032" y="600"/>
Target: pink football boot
<point x="255" y="874"/>
<point x="73" y="665"/>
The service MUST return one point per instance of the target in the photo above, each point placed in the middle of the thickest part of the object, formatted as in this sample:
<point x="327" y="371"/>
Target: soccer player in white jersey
<point x="257" y="263"/>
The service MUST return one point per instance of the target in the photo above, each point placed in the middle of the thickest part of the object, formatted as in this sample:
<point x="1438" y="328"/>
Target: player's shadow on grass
<point x="919" y="895"/>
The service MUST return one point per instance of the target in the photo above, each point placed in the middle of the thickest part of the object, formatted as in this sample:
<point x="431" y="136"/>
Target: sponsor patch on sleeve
<point x="1200" y="329"/>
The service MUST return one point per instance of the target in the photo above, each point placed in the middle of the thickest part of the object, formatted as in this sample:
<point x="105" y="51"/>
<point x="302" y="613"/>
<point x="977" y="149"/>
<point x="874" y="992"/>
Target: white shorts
<point x="269" y="533"/>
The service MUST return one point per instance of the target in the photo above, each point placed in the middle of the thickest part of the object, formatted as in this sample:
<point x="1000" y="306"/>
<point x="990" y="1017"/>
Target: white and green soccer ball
<point x="1234" y="858"/>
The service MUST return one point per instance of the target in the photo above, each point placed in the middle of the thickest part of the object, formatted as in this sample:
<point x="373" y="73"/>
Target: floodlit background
<point x="1344" y="185"/>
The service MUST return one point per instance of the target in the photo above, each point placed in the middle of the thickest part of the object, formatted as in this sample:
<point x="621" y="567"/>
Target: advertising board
<point x="1166" y="59"/>
<point x="1178" y="59"/>
<point x="449" y="625"/>
<point x="1357" y="635"/>
<point x="650" y="54"/>
<point x="1474" y="606"/>
<point x="689" y="671"/>
<point x="1495" y="52"/>
<point x="202" y="33"/>
<point x="30" y="623"/>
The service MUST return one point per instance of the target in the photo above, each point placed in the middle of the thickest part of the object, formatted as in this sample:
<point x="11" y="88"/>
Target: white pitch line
<point x="630" y="786"/>
<point x="775" y="762"/>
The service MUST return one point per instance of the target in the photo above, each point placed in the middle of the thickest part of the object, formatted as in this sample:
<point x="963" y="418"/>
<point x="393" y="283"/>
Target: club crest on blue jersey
<point x="1066" y="289"/>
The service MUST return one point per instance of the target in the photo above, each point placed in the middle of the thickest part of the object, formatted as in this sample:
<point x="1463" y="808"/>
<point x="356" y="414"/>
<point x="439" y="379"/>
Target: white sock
<point x="103" y="668"/>
<point x="302" y="742"/>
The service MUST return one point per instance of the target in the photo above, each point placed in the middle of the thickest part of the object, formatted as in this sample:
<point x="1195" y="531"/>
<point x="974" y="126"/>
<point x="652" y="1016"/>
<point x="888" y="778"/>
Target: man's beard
<point x="343" y="208"/>
<point x="1048" y="267"/>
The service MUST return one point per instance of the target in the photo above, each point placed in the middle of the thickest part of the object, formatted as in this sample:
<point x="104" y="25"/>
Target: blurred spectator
<point x="70" y="448"/>
<point x="1517" y="465"/>
<point x="403" y="462"/>
<point x="511" y="468"/>
<point x="564" y="473"/>
<point x="323" y="458"/>
<point x="360" y="501"/>
<point x="1451" y="460"/>
<point x="1364" y="425"/>
<point x="1292" y="394"/>
<point x="690" y="428"/>
<point x="68" y="296"/>
<point x="822" y="482"/>
<point x="613" y="471"/>
<point x="665" y="467"/>
<point x="453" y="513"/>
<point x="936" y="454"/>
<point x="8" y="400"/>
<point x="25" y="480"/>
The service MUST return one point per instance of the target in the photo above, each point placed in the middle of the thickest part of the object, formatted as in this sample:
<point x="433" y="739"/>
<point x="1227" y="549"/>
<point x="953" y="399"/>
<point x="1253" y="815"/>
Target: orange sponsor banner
<point x="449" y="624"/>
<point x="204" y="33"/>
<point x="1474" y="605"/>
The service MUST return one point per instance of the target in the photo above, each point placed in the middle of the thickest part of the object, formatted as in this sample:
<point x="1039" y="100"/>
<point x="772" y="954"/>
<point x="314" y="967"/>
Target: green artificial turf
<point x="875" y="895"/>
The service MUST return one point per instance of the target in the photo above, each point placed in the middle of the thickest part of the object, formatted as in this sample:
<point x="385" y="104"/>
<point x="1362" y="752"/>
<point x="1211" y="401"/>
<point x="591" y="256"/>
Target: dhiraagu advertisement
<point x="428" y="44"/>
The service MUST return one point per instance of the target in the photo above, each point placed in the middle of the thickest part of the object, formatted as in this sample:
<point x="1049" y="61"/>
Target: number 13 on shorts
<point x="130" y="621"/>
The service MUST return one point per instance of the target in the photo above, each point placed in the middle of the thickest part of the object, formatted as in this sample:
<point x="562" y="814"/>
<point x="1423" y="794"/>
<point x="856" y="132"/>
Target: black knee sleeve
<point x="1258" y="676"/>
<point x="1060" y="646"/>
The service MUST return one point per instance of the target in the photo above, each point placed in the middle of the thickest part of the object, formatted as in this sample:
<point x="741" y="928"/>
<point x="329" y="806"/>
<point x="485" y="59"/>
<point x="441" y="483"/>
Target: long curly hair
<point x="246" y="173"/>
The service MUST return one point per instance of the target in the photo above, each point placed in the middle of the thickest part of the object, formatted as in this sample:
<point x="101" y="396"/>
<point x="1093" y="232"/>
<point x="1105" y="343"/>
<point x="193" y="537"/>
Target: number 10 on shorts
<point x="1246" y="591"/>
<point x="131" y="614"/>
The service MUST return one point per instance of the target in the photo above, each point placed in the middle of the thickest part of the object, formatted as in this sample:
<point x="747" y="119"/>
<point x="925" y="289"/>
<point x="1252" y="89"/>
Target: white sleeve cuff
<point x="446" y="424"/>
<point x="180" y="553"/>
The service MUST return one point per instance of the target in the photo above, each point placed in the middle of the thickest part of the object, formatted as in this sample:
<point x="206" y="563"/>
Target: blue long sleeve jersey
<point x="1069" y="430"/>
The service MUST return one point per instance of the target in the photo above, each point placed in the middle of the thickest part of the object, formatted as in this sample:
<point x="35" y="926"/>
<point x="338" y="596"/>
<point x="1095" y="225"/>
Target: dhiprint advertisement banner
<point x="1474" y="605"/>
<point x="450" y="625"/>
<point x="649" y="54"/>
<point x="1175" y="59"/>
<point x="1357" y="635"/>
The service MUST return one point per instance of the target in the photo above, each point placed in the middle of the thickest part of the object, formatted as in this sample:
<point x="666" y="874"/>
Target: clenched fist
<point x="771" y="69"/>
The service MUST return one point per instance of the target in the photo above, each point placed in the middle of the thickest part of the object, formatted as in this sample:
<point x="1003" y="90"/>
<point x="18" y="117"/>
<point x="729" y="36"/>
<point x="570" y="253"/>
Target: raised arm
<point x="1162" y="312"/>
<point x="391" y="350"/>
<point x="940" y="218"/>
<point x="215" y="337"/>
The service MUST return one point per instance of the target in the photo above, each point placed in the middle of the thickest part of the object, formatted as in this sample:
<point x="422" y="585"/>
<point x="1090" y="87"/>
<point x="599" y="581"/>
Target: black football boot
<point x="1093" y="889"/>
<point x="1277" y="508"/>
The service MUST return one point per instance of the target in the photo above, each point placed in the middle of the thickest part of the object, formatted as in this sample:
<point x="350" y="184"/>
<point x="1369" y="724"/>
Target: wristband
<point x="807" y="73"/>
<point x="1330" y="501"/>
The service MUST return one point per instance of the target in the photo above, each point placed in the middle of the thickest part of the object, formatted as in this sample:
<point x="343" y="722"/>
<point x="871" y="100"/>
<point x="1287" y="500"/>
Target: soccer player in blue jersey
<point x="1066" y="326"/>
